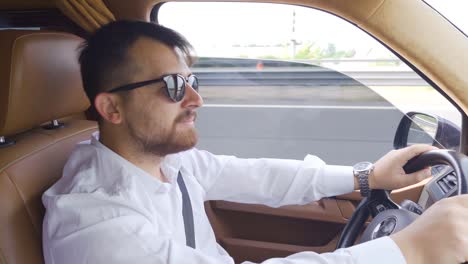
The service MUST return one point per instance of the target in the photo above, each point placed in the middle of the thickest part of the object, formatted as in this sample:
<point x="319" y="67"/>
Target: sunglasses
<point x="175" y="85"/>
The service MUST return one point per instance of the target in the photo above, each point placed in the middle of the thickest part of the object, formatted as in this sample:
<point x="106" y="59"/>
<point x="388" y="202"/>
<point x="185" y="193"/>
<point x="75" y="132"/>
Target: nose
<point x="192" y="98"/>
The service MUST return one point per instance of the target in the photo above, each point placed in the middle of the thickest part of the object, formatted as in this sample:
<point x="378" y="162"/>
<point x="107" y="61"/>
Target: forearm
<point x="270" y="181"/>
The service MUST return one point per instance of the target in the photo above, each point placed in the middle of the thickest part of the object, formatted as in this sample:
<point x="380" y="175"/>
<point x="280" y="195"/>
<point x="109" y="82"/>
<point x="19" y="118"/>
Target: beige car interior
<point x="40" y="82"/>
<point x="40" y="86"/>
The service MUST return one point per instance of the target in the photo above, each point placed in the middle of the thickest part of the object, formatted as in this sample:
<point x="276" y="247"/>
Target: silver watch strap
<point x="363" y="179"/>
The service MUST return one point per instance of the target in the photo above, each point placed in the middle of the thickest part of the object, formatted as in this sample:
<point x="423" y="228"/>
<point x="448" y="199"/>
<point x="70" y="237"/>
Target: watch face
<point x="363" y="166"/>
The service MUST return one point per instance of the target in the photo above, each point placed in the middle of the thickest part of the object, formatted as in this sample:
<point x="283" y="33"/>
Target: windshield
<point x="453" y="10"/>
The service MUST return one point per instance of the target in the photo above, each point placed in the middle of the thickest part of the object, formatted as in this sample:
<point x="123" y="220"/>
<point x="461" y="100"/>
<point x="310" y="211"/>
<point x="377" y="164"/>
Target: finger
<point x="415" y="150"/>
<point x="417" y="176"/>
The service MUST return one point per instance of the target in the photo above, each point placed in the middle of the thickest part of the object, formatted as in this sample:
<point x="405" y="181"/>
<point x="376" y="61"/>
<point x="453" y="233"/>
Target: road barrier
<point x="306" y="77"/>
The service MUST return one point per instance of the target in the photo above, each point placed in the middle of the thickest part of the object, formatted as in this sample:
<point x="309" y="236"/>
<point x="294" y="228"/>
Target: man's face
<point x="157" y="124"/>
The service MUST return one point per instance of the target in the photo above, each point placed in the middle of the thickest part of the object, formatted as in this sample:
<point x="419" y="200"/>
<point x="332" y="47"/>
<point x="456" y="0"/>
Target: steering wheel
<point x="389" y="217"/>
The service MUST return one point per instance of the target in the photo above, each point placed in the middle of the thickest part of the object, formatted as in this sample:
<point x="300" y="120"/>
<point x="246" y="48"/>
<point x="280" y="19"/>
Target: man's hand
<point x="388" y="171"/>
<point x="440" y="235"/>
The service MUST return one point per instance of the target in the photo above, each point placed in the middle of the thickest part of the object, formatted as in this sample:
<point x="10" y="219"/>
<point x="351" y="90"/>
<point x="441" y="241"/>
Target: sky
<point x="270" y="25"/>
<point x="261" y="24"/>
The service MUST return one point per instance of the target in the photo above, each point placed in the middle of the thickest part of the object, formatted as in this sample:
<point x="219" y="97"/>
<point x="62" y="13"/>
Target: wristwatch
<point x="361" y="171"/>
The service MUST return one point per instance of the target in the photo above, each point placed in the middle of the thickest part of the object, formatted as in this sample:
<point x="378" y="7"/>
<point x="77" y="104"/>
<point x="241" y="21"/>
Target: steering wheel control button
<point x="412" y="207"/>
<point x="447" y="183"/>
<point x="439" y="169"/>
<point x="385" y="228"/>
<point x="381" y="208"/>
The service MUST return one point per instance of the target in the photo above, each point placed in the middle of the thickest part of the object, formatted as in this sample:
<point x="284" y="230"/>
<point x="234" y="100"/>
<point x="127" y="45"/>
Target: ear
<point x="108" y="106"/>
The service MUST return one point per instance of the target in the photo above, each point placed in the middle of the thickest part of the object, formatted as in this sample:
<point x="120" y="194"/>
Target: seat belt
<point x="187" y="213"/>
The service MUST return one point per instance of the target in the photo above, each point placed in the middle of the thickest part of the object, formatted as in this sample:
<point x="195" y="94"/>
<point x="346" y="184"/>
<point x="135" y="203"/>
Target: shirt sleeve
<point x="92" y="228"/>
<point x="274" y="182"/>
<point x="382" y="251"/>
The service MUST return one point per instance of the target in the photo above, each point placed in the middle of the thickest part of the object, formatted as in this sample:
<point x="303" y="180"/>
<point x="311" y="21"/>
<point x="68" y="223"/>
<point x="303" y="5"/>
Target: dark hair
<point x="104" y="53"/>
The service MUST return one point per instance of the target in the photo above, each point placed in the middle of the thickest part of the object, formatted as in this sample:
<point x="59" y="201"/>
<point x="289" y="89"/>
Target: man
<point x="126" y="196"/>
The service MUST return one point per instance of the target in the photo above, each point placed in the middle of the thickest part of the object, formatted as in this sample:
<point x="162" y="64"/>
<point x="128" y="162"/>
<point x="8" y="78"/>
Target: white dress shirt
<point x="104" y="209"/>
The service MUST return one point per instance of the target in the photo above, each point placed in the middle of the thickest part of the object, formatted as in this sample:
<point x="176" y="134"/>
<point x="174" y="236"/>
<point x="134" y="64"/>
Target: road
<point x="340" y="124"/>
<point x="338" y="135"/>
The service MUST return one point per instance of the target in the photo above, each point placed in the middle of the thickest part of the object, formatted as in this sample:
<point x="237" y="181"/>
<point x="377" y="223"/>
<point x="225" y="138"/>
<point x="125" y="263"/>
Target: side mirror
<point x="420" y="128"/>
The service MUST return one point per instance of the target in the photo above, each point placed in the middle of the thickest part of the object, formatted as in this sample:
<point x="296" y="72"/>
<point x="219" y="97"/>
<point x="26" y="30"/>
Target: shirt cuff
<point x="337" y="180"/>
<point x="382" y="250"/>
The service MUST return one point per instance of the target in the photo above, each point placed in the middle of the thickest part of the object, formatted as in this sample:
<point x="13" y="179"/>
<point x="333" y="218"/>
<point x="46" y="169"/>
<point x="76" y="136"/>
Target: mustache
<point x="188" y="114"/>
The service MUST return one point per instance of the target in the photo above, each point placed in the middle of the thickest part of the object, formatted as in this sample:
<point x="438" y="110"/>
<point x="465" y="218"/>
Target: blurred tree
<point x="314" y="52"/>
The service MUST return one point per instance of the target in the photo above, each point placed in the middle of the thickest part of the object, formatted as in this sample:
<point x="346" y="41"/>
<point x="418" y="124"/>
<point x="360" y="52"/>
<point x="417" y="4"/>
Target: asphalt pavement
<point x="341" y="135"/>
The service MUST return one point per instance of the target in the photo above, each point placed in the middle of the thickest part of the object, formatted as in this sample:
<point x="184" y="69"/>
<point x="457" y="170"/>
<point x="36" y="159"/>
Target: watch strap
<point x="363" y="180"/>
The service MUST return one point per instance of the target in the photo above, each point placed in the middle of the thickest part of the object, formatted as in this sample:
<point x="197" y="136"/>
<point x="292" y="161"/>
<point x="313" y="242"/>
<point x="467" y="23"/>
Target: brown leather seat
<point x="39" y="82"/>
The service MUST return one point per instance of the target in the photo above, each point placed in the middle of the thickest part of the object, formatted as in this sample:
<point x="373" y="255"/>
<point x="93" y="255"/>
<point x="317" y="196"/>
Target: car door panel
<point x="257" y="232"/>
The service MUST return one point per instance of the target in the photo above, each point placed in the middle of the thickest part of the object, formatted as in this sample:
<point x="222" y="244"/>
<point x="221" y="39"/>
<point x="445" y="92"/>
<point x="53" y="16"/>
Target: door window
<point x="282" y="81"/>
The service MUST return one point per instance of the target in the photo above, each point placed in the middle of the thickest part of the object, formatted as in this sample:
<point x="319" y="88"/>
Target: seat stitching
<point x="46" y="146"/>
<point x="24" y="201"/>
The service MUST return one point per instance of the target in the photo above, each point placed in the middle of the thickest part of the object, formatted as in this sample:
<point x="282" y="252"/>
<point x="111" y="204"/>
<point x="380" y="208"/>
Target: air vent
<point x="448" y="182"/>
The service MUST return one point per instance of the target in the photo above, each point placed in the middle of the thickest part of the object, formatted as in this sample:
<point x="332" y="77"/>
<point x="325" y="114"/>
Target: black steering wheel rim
<point x="457" y="161"/>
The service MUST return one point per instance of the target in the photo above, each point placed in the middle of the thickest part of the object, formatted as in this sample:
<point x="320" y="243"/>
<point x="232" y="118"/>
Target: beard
<point x="162" y="141"/>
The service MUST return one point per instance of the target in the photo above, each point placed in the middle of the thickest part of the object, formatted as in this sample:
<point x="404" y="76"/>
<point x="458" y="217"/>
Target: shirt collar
<point x="170" y="166"/>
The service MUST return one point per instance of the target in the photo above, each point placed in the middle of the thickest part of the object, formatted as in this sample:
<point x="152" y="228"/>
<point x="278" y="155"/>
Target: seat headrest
<point x="40" y="79"/>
